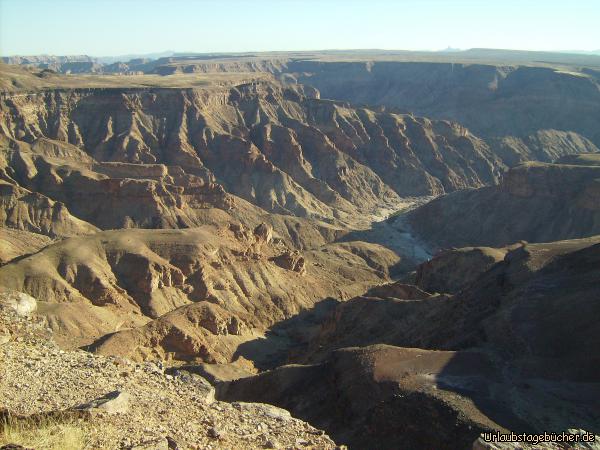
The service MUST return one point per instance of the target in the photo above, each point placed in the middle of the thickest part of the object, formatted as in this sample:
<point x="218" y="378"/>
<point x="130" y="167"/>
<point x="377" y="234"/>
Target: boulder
<point x="22" y="304"/>
<point x="264" y="233"/>
<point x="264" y="409"/>
<point x="116" y="402"/>
<point x="291" y="261"/>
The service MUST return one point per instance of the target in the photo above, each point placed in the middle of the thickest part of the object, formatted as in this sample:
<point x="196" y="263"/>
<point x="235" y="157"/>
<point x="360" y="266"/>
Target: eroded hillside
<point x="312" y="155"/>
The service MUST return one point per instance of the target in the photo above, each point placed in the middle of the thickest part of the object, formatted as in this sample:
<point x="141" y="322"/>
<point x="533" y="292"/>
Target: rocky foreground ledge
<point x="115" y="403"/>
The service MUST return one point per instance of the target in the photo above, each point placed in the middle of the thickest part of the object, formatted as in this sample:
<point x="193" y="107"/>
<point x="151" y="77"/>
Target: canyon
<point x="400" y="250"/>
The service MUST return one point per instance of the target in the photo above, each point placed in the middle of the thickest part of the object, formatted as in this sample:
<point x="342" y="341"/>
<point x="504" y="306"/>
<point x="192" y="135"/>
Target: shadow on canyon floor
<point x="286" y="338"/>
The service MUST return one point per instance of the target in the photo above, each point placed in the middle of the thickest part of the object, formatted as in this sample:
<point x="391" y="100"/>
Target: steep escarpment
<point x="225" y="63"/>
<point x="64" y="64"/>
<point x="535" y="202"/>
<point x="16" y="243"/>
<point x="30" y="211"/>
<point x="491" y="100"/>
<point x="125" y="195"/>
<point x="510" y="98"/>
<point x="279" y="148"/>
<point x="544" y="146"/>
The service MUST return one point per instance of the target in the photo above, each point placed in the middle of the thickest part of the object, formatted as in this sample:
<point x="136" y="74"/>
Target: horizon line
<point x="448" y="49"/>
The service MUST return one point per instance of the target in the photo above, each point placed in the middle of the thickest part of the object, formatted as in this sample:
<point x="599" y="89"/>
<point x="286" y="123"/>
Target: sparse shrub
<point x="47" y="433"/>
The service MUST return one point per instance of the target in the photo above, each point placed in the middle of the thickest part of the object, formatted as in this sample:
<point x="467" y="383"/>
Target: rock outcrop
<point x="291" y="261"/>
<point x="263" y="233"/>
<point x="202" y="330"/>
<point x="115" y="402"/>
<point x="20" y="303"/>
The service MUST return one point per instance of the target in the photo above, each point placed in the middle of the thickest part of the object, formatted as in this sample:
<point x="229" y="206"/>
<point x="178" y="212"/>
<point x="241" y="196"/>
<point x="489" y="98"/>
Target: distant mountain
<point x="56" y="60"/>
<point x="129" y="57"/>
<point x="586" y="52"/>
<point x="46" y="59"/>
<point x="451" y="50"/>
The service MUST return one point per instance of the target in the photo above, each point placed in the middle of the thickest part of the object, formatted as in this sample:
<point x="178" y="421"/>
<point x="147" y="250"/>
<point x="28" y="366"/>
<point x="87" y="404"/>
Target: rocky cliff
<point x="510" y="97"/>
<point x="280" y="148"/>
<point x="494" y="310"/>
<point x="491" y="100"/>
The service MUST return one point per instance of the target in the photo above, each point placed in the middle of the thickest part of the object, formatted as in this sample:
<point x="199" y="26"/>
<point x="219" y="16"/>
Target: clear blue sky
<point x="114" y="27"/>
